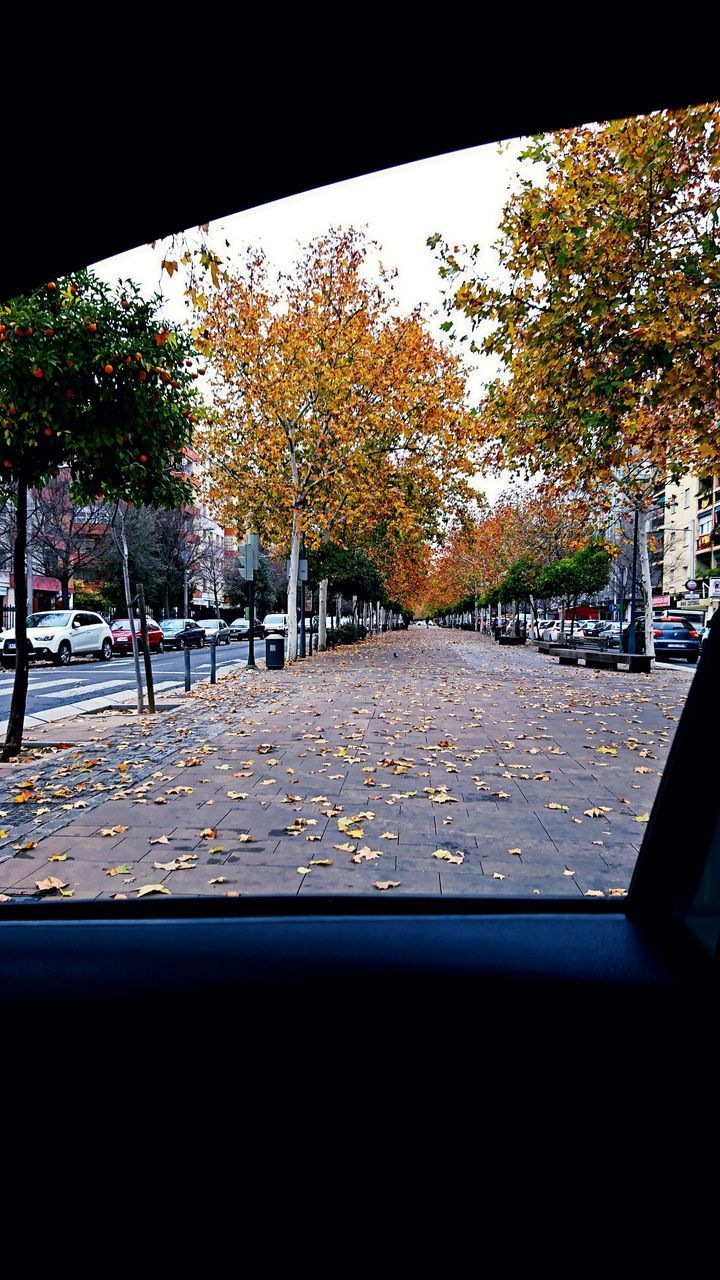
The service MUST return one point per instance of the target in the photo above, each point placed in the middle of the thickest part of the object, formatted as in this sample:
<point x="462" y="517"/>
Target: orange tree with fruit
<point x="93" y="379"/>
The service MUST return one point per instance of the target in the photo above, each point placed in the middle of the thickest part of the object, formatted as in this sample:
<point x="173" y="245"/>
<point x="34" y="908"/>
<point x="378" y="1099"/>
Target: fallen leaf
<point x="51" y="884"/>
<point x="386" y="884"/>
<point x="151" y="888"/>
<point x="594" y="893"/>
<point x="124" y="869"/>
<point x="321" y="862"/>
<point x="366" y="855"/>
<point x="217" y="848"/>
<point x="389" y="835"/>
<point x="57" y="857"/>
<point x="209" y="833"/>
<point x="497" y="876"/>
<point x="562" y="807"/>
<point x="28" y="844"/>
<point x="161" y="840"/>
<point x="113" y="831"/>
<point x="345" y="848"/>
<point x="643" y="817"/>
<point x="446" y="855"/>
<point x="517" y="853"/>
<point x="597" y="812"/>
<point x="304" y="871"/>
<point x="218" y="880"/>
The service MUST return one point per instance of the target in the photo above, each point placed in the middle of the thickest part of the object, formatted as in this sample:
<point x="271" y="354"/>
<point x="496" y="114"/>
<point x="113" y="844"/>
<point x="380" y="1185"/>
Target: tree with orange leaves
<point x="331" y="410"/>
<point x="606" y="317"/>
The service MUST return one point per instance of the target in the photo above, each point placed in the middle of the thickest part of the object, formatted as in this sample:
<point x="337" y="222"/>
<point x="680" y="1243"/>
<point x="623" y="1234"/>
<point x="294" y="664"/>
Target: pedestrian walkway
<point x="426" y="762"/>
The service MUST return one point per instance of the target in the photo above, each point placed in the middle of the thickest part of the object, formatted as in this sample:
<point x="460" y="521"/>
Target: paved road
<point x="434" y="764"/>
<point x="54" y="693"/>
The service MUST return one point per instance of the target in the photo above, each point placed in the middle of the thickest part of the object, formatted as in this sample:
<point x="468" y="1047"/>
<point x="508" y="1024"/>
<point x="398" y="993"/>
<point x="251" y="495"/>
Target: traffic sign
<point x="302" y="570"/>
<point x="691" y="584"/>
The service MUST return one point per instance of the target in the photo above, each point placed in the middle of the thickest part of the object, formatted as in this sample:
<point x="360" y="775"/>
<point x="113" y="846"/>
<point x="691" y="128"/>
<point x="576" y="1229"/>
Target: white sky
<point x="460" y="195"/>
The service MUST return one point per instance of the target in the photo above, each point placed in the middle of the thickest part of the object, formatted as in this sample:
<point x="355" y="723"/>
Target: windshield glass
<point x="48" y="619"/>
<point x="446" y="395"/>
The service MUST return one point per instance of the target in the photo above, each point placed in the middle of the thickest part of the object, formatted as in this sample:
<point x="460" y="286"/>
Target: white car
<point x="275" y="623"/>
<point x="60" y="635"/>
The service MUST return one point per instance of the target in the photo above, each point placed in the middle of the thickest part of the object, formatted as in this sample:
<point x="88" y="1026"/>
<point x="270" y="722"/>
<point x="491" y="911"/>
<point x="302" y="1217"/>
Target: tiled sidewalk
<point x="528" y="779"/>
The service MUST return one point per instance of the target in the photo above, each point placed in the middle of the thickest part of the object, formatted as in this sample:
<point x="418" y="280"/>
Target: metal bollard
<point x="213" y="658"/>
<point x="188" y="682"/>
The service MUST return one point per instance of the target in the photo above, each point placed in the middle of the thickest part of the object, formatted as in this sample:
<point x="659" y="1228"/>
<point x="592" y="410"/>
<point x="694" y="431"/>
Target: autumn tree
<point x="326" y="400"/>
<point x="605" y="313"/>
<point x="91" y="379"/>
<point x="69" y="537"/>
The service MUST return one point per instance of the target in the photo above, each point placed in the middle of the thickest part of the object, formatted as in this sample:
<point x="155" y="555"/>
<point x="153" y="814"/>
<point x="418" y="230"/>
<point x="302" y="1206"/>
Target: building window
<point x="687" y="497"/>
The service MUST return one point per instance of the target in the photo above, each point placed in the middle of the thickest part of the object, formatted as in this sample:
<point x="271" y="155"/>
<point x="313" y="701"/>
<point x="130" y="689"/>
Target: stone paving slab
<point x="360" y="728"/>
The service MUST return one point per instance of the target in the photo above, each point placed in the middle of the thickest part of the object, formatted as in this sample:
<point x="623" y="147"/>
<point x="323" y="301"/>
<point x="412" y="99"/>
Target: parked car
<point x="216" y="627"/>
<point x="240" y="629"/>
<point x="591" y="626"/>
<point x="704" y="635"/>
<point x="274" y="624"/>
<point x="60" y="635"/>
<point x="122" y="640"/>
<point x="610" y="633"/>
<point x="672" y="638"/>
<point x="181" y="633"/>
<point x="553" y="632"/>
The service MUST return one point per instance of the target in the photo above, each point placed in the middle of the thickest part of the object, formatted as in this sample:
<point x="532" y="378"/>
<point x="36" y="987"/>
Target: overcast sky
<point x="460" y="195"/>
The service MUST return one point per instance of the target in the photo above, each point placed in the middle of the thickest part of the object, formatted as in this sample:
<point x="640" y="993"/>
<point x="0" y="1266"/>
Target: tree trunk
<point x="322" y="615"/>
<point x="131" y="620"/>
<point x="292" y="635"/>
<point x="166" y="601"/>
<point x="16" y="715"/>
<point x="572" y="620"/>
<point x="645" y="579"/>
<point x="65" y="589"/>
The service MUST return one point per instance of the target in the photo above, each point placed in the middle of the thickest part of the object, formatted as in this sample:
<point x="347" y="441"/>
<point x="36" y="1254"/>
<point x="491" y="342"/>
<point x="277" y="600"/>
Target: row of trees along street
<point x="330" y="416"/>
<point x="605" y="315"/>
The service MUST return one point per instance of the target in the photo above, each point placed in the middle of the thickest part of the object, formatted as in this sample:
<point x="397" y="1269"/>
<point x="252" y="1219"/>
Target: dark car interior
<point x="596" y="1017"/>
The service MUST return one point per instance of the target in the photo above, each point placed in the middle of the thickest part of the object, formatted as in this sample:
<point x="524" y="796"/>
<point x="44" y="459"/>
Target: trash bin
<point x="275" y="652"/>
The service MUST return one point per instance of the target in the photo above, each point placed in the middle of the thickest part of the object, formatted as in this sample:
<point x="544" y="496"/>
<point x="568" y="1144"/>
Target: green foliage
<point x="520" y="581"/>
<point x="584" y="573"/>
<point x="349" y="572"/>
<point x="348" y="633"/>
<point x="96" y="380"/>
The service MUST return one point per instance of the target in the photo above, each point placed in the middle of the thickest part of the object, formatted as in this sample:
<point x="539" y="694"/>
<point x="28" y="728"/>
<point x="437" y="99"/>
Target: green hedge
<point x="347" y="634"/>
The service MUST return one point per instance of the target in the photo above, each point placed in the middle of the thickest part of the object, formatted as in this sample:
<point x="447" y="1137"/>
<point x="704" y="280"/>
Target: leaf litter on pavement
<point x="434" y="728"/>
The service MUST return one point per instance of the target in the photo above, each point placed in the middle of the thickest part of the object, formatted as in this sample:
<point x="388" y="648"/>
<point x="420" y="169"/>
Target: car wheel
<point x="161" y="647"/>
<point x="693" y="658"/>
<point x="63" y="655"/>
<point x="201" y="642"/>
<point x="106" y="651"/>
<point x="8" y="664"/>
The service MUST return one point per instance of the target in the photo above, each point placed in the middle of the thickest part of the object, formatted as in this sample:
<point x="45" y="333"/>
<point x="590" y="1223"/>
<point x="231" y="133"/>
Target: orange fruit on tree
<point x="109" y="368"/>
<point x="52" y="284"/>
<point x="38" y="373"/>
<point x="47" y="431"/>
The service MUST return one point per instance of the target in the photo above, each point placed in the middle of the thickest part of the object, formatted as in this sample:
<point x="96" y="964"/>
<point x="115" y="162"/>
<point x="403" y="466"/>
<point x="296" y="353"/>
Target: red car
<point x="121" y="635"/>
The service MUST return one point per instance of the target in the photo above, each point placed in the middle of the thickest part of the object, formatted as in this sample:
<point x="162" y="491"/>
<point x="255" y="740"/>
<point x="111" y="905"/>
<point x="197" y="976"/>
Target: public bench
<point x="511" y="639"/>
<point x="608" y="659"/>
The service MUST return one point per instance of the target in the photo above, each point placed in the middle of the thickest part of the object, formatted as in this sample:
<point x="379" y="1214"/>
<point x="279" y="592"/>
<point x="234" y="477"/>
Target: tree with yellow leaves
<point x="605" y="315"/>
<point x="330" y="408"/>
